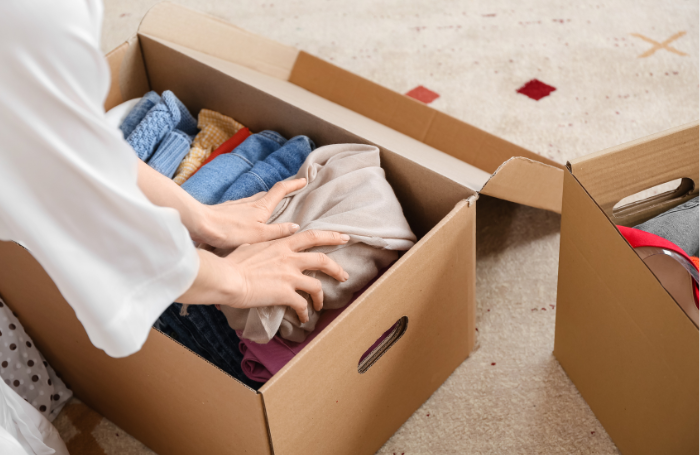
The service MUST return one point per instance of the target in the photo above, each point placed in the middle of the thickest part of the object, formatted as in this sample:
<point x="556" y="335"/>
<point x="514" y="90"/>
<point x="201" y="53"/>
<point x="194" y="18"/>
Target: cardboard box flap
<point x="218" y="38"/>
<point x="618" y="172"/>
<point x="406" y="115"/>
<point x="527" y="182"/>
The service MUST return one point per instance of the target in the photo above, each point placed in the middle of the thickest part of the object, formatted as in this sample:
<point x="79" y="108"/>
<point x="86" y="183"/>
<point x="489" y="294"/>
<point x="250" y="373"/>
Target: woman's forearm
<point x="163" y="192"/>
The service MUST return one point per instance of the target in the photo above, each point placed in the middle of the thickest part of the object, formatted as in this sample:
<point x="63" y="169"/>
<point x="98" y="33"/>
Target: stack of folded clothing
<point x="346" y="191"/>
<point x="165" y="135"/>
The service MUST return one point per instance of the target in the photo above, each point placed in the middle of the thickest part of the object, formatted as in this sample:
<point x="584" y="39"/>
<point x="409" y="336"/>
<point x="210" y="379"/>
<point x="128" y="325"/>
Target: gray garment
<point x="346" y="192"/>
<point x="678" y="225"/>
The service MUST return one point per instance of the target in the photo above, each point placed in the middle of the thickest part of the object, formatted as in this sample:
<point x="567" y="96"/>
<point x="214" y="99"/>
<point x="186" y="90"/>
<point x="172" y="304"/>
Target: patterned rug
<point x="560" y="78"/>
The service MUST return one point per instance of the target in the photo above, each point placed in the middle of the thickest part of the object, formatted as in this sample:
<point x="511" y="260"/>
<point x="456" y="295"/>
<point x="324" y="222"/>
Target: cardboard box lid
<point x="423" y="134"/>
<point x="618" y="172"/>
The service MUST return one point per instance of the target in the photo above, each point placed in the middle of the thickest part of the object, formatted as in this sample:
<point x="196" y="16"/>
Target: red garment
<point x="695" y="261"/>
<point x="228" y="146"/>
<point x="638" y="238"/>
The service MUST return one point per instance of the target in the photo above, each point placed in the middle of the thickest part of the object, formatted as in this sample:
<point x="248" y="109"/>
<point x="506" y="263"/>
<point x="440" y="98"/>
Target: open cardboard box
<point x="623" y="340"/>
<point x="176" y="402"/>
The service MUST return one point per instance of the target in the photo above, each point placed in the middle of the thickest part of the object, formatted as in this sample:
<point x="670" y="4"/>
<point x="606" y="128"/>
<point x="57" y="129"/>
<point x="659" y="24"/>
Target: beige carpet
<point x="621" y="70"/>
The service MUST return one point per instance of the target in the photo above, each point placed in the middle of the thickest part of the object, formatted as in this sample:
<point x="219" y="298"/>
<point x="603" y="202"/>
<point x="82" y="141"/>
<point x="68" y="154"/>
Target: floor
<point x="620" y="70"/>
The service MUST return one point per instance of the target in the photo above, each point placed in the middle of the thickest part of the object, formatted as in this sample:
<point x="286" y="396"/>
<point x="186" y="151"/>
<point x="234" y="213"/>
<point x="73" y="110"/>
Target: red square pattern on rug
<point x="536" y="89"/>
<point x="423" y="94"/>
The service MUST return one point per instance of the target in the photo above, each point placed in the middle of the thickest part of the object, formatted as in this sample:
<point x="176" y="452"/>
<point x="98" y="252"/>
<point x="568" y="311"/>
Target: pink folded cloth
<point x="262" y="361"/>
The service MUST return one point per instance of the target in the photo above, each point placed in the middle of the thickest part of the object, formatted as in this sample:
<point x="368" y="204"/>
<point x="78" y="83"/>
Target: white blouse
<point x="68" y="180"/>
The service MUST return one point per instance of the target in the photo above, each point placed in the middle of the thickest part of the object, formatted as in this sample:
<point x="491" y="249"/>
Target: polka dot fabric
<point x="24" y="369"/>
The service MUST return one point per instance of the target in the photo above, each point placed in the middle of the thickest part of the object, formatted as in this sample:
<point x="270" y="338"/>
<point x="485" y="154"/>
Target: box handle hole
<point x="659" y="193"/>
<point x="382" y="345"/>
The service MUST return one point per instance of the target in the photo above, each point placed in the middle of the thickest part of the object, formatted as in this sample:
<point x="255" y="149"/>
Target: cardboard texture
<point x="625" y="343"/>
<point x="511" y="181"/>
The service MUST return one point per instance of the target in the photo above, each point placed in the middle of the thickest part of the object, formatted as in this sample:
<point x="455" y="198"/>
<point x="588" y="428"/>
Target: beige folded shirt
<point x="346" y="192"/>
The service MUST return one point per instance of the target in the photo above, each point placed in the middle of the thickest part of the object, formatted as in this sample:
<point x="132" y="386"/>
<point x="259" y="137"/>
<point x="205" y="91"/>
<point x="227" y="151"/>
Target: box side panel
<point x="623" y="341"/>
<point x="164" y="395"/>
<point x="406" y="115"/>
<point x="219" y="38"/>
<point x="624" y="170"/>
<point x="128" y="73"/>
<point x="433" y="285"/>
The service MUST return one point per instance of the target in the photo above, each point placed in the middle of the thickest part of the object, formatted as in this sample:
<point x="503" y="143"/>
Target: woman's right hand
<point x="267" y="274"/>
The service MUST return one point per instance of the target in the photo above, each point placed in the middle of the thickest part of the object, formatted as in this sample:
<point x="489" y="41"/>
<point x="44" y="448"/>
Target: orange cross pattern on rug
<point x="657" y="45"/>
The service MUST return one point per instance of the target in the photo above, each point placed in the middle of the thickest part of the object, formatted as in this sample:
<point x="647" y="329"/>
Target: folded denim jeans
<point x="170" y="152"/>
<point x="212" y="180"/>
<point x="278" y="166"/>
<point x="678" y="225"/>
<point x="167" y="115"/>
<point x="205" y="331"/>
<point x="134" y="117"/>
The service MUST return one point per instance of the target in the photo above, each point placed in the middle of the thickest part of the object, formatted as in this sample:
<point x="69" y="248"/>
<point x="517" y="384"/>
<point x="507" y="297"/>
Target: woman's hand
<point x="267" y="274"/>
<point x="235" y="223"/>
<point x="226" y="225"/>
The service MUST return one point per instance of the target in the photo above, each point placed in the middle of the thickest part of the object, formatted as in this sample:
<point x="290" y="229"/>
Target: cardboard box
<point x="628" y="347"/>
<point x="176" y="402"/>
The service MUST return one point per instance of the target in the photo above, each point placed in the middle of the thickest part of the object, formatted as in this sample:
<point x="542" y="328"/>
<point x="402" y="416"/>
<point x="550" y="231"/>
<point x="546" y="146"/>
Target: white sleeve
<point x="68" y="181"/>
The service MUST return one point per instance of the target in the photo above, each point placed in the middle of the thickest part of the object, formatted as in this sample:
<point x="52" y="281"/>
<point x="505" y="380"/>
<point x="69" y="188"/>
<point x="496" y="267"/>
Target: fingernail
<point x="346" y="276"/>
<point x="344" y="237"/>
<point x="294" y="227"/>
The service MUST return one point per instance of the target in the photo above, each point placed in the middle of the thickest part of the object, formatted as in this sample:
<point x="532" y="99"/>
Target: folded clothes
<point x="346" y="192"/>
<point x="165" y="116"/>
<point x="228" y="146"/>
<point x="205" y="331"/>
<point x="278" y="166"/>
<point x="211" y="181"/>
<point x="262" y="361"/>
<point x="170" y="153"/>
<point x="678" y="225"/>
<point x="215" y="129"/>
<point x="24" y="370"/>
<point x="138" y="112"/>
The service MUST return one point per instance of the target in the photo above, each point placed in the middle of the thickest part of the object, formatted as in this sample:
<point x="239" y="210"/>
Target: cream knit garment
<point x="215" y="130"/>
<point x="347" y="192"/>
